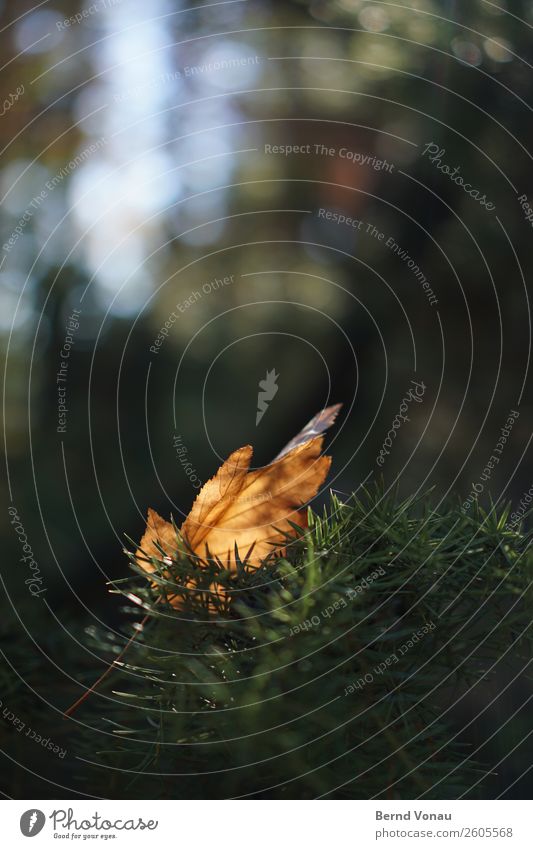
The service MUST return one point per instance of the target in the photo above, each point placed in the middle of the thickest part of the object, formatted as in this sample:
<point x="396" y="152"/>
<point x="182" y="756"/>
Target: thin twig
<point x="104" y="675"/>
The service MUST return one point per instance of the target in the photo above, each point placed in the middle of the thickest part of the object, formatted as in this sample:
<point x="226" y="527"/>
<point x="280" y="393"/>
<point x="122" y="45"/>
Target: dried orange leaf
<point x="261" y="508"/>
<point x="242" y="514"/>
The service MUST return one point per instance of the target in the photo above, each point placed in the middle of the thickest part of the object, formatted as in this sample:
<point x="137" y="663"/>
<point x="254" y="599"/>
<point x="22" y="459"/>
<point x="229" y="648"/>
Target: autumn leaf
<point x="253" y="512"/>
<point x="250" y="511"/>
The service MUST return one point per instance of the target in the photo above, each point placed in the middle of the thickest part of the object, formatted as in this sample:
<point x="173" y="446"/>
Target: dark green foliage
<point x="269" y="697"/>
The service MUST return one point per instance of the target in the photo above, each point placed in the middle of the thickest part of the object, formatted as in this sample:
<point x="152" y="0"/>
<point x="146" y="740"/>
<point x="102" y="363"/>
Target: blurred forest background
<point x="134" y="166"/>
